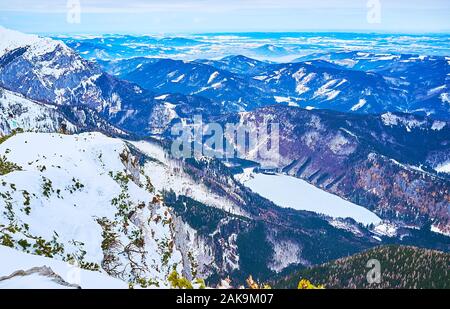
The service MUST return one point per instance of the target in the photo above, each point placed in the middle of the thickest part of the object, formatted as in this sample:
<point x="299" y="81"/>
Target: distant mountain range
<point x="273" y="46"/>
<point x="350" y="82"/>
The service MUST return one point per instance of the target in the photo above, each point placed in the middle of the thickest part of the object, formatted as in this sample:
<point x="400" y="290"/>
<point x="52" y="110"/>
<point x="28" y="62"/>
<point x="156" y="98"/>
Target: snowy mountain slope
<point x="425" y="79"/>
<point x="16" y="112"/>
<point x="172" y="108"/>
<point x="169" y="173"/>
<point x="72" y="276"/>
<point x="269" y="51"/>
<point x="390" y="63"/>
<point x="10" y="40"/>
<point x="304" y="84"/>
<point x="130" y="211"/>
<point x="234" y="64"/>
<point x="122" y="67"/>
<point x="48" y="71"/>
<point x="91" y="196"/>
<point x="20" y="113"/>
<point x="101" y="210"/>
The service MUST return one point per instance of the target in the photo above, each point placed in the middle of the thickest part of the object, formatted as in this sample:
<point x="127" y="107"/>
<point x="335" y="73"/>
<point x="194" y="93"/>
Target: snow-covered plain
<point x="290" y="192"/>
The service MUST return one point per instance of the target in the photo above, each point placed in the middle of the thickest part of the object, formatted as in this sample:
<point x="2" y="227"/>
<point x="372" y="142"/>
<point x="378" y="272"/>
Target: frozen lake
<point x="290" y="192"/>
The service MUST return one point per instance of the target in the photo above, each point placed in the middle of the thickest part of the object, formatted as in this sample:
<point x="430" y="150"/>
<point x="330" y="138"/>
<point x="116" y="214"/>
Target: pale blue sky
<point x="194" y="16"/>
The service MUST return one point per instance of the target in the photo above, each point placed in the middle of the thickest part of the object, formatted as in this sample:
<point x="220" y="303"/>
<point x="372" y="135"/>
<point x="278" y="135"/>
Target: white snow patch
<point x="213" y="77"/>
<point x="439" y="231"/>
<point x="386" y="58"/>
<point x="359" y="105"/>
<point x="348" y="63"/>
<point x="285" y="254"/>
<point x="260" y="77"/>
<point x="385" y="229"/>
<point x="217" y="85"/>
<point x="436" y="90"/>
<point x="390" y="119"/>
<point x="162" y="97"/>
<point x="438" y="125"/>
<point x="343" y="225"/>
<point x="286" y="100"/>
<point x="445" y="97"/>
<point x="341" y="145"/>
<point x="302" y="80"/>
<point x="178" y="79"/>
<point x="325" y="91"/>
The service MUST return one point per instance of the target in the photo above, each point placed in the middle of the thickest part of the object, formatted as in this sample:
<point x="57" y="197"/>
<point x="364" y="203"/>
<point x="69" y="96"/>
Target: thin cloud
<point x="226" y="15"/>
<point x="142" y="6"/>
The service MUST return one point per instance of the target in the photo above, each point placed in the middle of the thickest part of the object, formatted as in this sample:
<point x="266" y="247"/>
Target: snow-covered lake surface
<point x="13" y="261"/>
<point x="290" y="192"/>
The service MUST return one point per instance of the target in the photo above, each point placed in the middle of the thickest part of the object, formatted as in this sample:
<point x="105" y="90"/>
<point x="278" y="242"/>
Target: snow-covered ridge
<point x="10" y="40"/>
<point x="168" y="173"/>
<point x="46" y="69"/>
